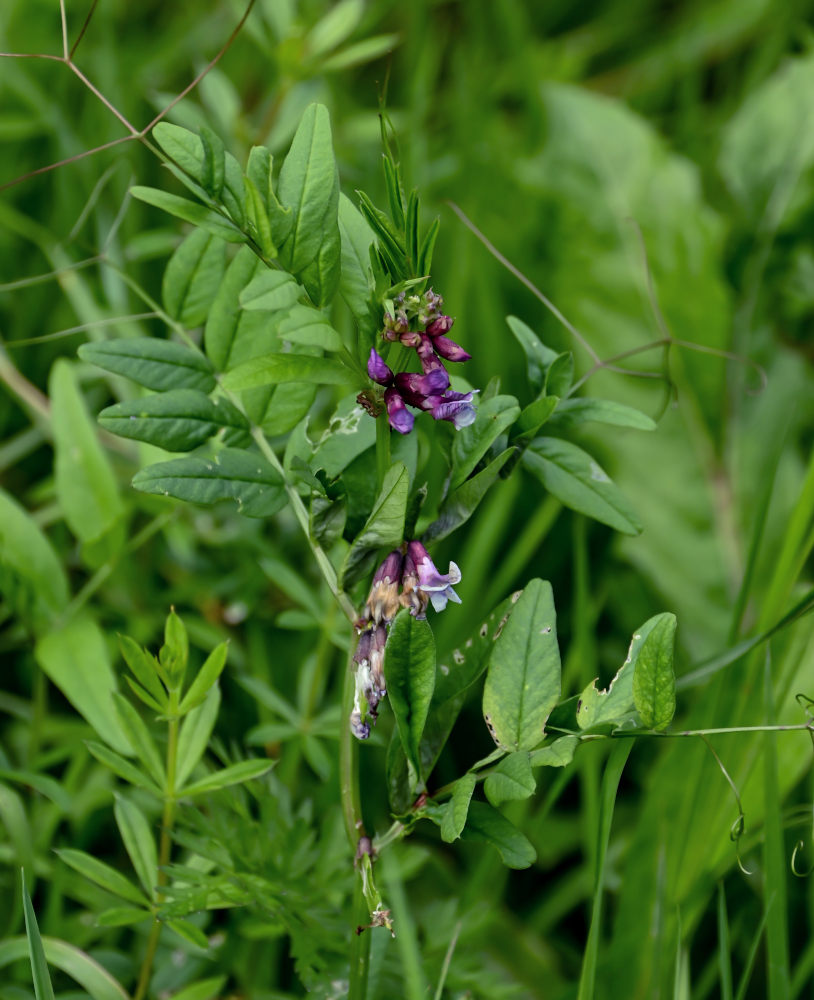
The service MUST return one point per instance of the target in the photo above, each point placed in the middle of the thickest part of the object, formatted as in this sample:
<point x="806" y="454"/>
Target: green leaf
<point x="356" y="281"/>
<point x="195" y="732"/>
<point x="155" y="364"/>
<point x="192" y="276"/>
<point x="259" y="224"/>
<point x="270" y="290"/>
<point x="75" y="658"/>
<point x="204" y="989"/>
<point x="572" y="413"/>
<point x="523" y="675"/>
<point x="235" y="774"/>
<point x="271" y="369"/>
<point x="190" y="211"/>
<point x="145" y="668"/>
<point x="102" y="874"/>
<point x="533" y="416"/>
<point x="309" y="186"/>
<point x="122" y="916"/>
<point x="187" y="150"/>
<point x="457" y="809"/>
<point x="32" y="581"/>
<point x="139" y="738"/>
<point x="409" y="665"/>
<point x="485" y="824"/>
<point x="364" y="51"/>
<point x="557" y="754"/>
<point x="237" y="475"/>
<point x="85" y="484"/>
<point x="384" y="528"/>
<point x="560" y="375"/>
<point x="511" y="779"/>
<point x="214" y="162"/>
<point x="95" y="980"/>
<point x="616" y="704"/>
<point x="578" y="481"/>
<point x="189" y="932"/>
<point x="470" y="444"/>
<point x="654" y="682"/>
<point x="139" y="842"/>
<point x="334" y="27"/>
<point x="174" y="654"/>
<point x="205" y="678"/>
<point x="538" y="357"/>
<point x="232" y="335"/>
<point x="43" y="990"/>
<point x="306" y="325"/>
<point x="121" y="766"/>
<point x="462" y="503"/>
<point x="178" y="420"/>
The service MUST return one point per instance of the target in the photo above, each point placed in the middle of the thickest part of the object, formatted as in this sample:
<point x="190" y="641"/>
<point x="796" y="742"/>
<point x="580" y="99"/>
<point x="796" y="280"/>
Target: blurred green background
<point x="650" y="168"/>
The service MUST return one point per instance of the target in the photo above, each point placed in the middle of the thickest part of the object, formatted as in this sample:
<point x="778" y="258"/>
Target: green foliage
<point x="236" y="325"/>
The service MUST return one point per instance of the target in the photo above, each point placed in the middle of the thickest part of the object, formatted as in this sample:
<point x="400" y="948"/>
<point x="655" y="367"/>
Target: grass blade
<point x="43" y="990"/>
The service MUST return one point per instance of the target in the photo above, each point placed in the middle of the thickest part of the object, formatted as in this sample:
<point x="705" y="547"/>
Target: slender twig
<point x="67" y="160"/>
<point x="204" y="71"/>
<point x="64" y="20"/>
<point x="24" y="390"/>
<point x="69" y="331"/>
<point x="165" y="844"/>
<point x="83" y="29"/>
<point x="38" y="279"/>
<point x="439" y="991"/>
<point x="134" y="132"/>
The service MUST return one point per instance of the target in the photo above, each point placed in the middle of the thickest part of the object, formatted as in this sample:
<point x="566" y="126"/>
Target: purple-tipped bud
<point x="377" y="369"/>
<point x="437" y="586"/>
<point x="383" y="601"/>
<point x="398" y="415"/>
<point x="449" y="349"/>
<point x="427" y="356"/>
<point x="440" y="326"/>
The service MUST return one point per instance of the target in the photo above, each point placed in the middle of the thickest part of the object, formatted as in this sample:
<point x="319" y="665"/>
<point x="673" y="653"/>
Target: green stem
<point x="382" y="447"/>
<point x="164" y="846"/>
<point x="360" y="945"/>
<point x="348" y="764"/>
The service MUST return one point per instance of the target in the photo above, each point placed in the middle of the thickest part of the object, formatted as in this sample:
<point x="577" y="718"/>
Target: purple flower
<point x="422" y="582"/>
<point x="449" y="349"/>
<point x="414" y="389"/>
<point x="454" y="406"/>
<point x="377" y="369"/>
<point x="399" y="416"/>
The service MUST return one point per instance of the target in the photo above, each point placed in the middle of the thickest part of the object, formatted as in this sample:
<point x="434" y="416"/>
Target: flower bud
<point x="398" y="415"/>
<point x="377" y="369"/>
<point x="383" y="602"/>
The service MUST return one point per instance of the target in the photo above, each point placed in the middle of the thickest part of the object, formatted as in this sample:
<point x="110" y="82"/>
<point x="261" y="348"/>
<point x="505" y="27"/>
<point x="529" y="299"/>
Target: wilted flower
<point x="383" y="601"/>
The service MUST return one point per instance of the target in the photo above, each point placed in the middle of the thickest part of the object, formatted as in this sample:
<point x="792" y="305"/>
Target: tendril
<point x="736" y="830"/>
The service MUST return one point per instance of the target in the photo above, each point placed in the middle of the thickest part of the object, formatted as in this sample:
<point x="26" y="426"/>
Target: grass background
<point x="650" y="167"/>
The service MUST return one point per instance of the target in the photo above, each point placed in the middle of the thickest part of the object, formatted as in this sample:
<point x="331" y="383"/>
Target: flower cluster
<point x="429" y="390"/>
<point x="404" y="580"/>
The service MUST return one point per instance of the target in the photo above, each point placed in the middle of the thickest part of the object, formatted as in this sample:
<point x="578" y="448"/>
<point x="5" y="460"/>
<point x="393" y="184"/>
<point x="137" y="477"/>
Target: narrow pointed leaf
<point x="485" y="824"/>
<point x="102" y="874"/>
<point x="457" y="809"/>
<point x="43" y="990"/>
<point x="139" y="738"/>
<point x="178" y="420"/>
<point x="205" y="678"/>
<point x="574" y="412"/>
<point x="384" y="528"/>
<point x="155" y="364"/>
<point x="139" y="841"/>
<point x="194" y="736"/>
<point x="235" y="774"/>
<point x="579" y="482"/>
<point x="190" y="211"/>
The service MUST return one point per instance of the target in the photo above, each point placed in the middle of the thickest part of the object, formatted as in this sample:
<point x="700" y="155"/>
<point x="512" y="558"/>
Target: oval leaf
<point x="654" y="683"/>
<point x="270" y="369"/>
<point x="523" y="675"/>
<point x="155" y="364"/>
